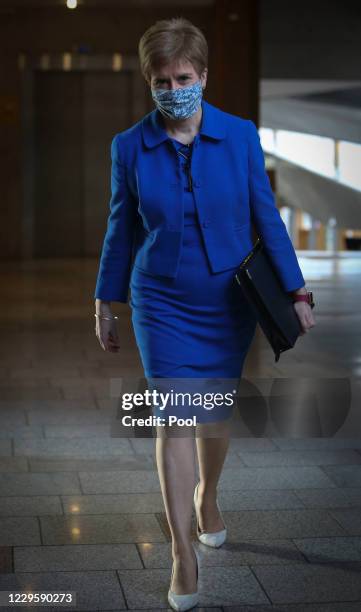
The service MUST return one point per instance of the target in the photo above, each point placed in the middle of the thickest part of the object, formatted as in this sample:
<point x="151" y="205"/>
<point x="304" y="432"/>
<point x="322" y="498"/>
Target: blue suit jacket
<point x="231" y="188"/>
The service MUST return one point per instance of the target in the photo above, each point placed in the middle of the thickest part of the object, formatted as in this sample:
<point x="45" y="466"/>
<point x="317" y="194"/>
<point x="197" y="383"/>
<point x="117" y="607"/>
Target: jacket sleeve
<point x="116" y="256"/>
<point x="267" y="218"/>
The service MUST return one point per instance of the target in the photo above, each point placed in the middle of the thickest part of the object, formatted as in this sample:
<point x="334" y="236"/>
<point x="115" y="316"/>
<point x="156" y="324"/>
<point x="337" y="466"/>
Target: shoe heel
<point x="188" y="600"/>
<point x="198" y="564"/>
<point x="195" y="496"/>
<point x="215" y="539"/>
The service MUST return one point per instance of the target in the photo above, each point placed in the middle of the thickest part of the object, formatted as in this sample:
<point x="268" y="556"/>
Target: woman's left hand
<point x="305" y="316"/>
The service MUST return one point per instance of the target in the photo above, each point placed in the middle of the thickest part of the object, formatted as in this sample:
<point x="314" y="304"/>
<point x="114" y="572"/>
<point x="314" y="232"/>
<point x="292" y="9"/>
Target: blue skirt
<point x="195" y="326"/>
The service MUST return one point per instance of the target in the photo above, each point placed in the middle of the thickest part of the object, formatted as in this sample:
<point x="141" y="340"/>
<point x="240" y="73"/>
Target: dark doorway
<point x="76" y="116"/>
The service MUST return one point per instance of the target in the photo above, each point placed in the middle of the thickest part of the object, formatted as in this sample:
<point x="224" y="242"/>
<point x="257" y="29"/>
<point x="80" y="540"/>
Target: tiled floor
<point x="81" y="509"/>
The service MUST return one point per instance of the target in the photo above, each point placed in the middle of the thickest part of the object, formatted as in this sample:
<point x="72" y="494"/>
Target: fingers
<point x="108" y="339"/>
<point x="307" y="324"/>
<point x="305" y="316"/>
<point x="102" y="344"/>
<point x="109" y="344"/>
<point x="113" y="340"/>
<point x="309" y="321"/>
<point x="113" y="345"/>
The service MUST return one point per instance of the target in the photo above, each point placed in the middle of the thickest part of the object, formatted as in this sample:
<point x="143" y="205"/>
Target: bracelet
<point x="304" y="297"/>
<point x="106" y="318"/>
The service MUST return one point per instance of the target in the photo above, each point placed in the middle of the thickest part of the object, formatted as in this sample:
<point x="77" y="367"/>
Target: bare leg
<point x="176" y="458"/>
<point x="211" y="452"/>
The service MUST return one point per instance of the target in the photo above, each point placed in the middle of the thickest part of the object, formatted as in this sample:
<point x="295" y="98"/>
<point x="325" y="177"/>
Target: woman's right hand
<point x="106" y="331"/>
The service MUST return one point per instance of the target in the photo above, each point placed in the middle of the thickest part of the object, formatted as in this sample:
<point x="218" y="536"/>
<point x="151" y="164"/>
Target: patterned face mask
<point x="178" y="103"/>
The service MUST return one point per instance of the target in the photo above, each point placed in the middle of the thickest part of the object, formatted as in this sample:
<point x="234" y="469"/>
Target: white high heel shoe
<point x="215" y="539"/>
<point x="187" y="600"/>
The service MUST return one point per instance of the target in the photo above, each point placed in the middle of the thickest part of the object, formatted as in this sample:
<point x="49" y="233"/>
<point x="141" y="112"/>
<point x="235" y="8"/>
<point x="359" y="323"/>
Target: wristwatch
<point x="305" y="297"/>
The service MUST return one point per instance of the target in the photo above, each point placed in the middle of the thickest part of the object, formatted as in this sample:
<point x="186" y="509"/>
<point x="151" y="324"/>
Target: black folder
<point x="272" y="305"/>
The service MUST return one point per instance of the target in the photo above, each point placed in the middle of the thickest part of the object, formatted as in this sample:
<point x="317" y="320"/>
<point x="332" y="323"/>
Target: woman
<point x="185" y="181"/>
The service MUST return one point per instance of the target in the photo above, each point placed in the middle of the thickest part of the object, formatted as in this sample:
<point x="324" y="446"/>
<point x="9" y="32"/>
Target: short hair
<point x="172" y="40"/>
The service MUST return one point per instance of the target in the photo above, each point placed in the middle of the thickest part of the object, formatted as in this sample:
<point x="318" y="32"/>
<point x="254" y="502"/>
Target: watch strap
<point x="305" y="297"/>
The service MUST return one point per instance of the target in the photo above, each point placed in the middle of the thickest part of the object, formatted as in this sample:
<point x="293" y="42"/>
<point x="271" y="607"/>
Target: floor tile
<point x="39" y="484"/>
<point x="77" y="431"/>
<point x="300" y="458"/>
<point x="5" y="448"/>
<point x="100" y="529"/>
<point x="11" y="415"/>
<point x="274" y="478"/>
<point x="13" y="464"/>
<point x="78" y="447"/>
<point x="6" y="559"/>
<point x="329" y="498"/>
<point x="349" y="519"/>
<point x="125" y="481"/>
<point x="280" y="524"/>
<point x="145" y="503"/>
<point x="76" y="558"/>
<point x="252" y="444"/>
<point x="344" y="606"/>
<point x="31" y="505"/>
<point x="314" y="443"/>
<point x="21" y="431"/>
<point x="345" y="475"/>
<point x="330" y="550"/>
<point x="18" y="391"/>
<point x="125" y="461"/>
<point x="19" y="530"/>
<point x="259" y="500"/>
<point x="309" y="583"/>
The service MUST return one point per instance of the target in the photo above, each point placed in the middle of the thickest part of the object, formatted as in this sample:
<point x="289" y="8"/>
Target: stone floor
<point x="81" y="510"/>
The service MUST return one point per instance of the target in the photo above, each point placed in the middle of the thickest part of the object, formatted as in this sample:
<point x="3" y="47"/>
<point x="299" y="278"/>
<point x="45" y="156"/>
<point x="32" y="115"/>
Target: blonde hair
<point x="172" y="40"/>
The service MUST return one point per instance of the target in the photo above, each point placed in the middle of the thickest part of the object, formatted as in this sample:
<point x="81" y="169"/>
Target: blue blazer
<point x="231" y="188"/>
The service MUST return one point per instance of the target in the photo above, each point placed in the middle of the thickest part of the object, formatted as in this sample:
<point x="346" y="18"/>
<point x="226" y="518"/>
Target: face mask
<point x="178" y="103"/>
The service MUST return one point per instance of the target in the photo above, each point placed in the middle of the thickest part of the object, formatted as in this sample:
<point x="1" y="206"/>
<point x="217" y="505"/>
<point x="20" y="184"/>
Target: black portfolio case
<point x="272" y="305"/>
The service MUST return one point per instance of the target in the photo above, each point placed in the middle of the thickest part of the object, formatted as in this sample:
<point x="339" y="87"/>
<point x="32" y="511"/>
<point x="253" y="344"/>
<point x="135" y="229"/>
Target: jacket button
<point x="205" y="224"/>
